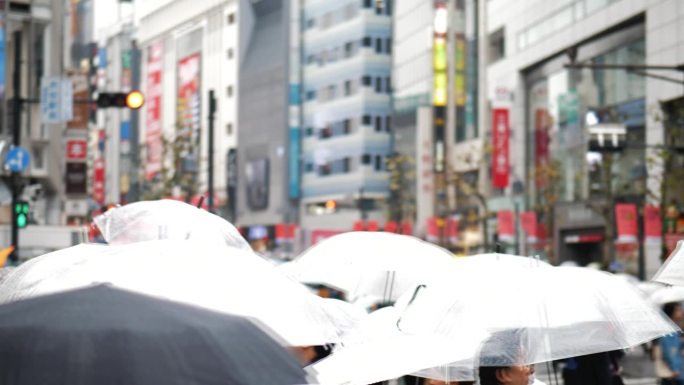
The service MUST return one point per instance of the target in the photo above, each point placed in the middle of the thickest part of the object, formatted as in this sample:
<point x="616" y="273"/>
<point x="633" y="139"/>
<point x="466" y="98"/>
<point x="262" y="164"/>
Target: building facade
<point x="187" y="50"/>
<point x="347" y="117"/>
<point x="584" y="139"/>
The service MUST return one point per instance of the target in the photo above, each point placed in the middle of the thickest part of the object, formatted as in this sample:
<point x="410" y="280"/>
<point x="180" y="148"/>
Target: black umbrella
<point x="103" y="335"/>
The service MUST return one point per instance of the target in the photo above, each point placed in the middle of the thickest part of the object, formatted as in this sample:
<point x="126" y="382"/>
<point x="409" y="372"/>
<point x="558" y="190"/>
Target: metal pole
<point x="210" y="158"/>
<point x="517" y="228"/>
<point x="16" y="139"/>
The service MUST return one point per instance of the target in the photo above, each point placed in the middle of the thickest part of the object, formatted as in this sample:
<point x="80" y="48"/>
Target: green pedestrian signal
<point x="21" y="212"/>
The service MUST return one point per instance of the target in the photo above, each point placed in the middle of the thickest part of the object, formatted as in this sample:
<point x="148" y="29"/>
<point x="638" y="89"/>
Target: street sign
<point x="77" y="149"/>
<point x="17" y="159"/>
<point x="56" y="100"/>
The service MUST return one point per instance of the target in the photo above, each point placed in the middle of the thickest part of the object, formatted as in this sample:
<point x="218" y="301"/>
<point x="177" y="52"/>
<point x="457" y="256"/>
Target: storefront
<point x="569" y="169"/>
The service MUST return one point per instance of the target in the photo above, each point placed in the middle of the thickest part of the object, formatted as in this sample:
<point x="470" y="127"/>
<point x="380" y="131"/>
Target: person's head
<point x="506" y="375"/>
<point x="503" y="357"/>
<point x="307" y="355"/>
<point x="674" y="311"/>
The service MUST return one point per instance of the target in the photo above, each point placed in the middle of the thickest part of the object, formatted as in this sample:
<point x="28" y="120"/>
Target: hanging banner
<point x="280" y="230"/>
<point x="528" y="222"/>
<point x="99" y="181"/>
<point x="506" y="225"/>
<point x="500" y="148"/>
<point x="407" y="228"/>
<point x="373" y="226"/>
<point x="391" y="227"/>
<point x="452" y="230"/>
<point x="653" y="227"/>
<point x="626" y="221"/>
<point x="153" y="134"/>
<point x="188" y="110"/>
<point x="432" y="233"/>
<point x="359" y="226"/>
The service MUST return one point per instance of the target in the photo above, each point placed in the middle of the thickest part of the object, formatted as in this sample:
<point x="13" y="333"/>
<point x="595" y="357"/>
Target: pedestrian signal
<point x="21" y="212"/>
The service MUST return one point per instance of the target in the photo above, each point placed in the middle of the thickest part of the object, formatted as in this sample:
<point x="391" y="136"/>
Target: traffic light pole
<point x="16" y="141"/>
<point x="210" y="158"/>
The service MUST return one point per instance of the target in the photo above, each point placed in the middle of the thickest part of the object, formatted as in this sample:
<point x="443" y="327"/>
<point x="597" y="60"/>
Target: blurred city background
<point x="549" y="128"/>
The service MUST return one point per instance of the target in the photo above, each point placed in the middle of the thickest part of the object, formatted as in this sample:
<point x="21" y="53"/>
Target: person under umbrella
<point x="670" y="347"/>
<point x="107" y="336"/>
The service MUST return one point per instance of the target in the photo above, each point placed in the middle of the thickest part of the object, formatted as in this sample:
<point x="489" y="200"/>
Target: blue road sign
<point x="17" y="159"/>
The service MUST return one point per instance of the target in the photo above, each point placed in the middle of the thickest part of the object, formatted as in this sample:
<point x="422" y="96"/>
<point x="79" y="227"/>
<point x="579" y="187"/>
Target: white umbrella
<point x="536" y="314"/>
<point x="377" y="351"/>
<point x="672" y="271"/>
<point x="667" y="294"/>
<point x="219" y="278"/>
<point x="375" y="265"/>
<point x="166" y="219"/>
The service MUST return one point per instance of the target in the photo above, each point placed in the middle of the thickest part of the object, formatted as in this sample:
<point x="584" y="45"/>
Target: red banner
<point x="373" y="226"/>
<point x="528" y="222"/>
<point x="280" y="230"/>
<point x="99" y="181"/>
<point x="290" y="231"/>
<point x="407" y="228"/>
<point x="506" y="224"/>
<point x="500" y="147"/>
<point x="452" y="230"/>
<point x="153" y="110"/>
<point x="432" y="232"/>
<point x="653" y="226"/>
<point x="626" y="220"/>
<point x="359" y="226"/>
<point x="542" y="124"/>
<point x="391" y="227"/>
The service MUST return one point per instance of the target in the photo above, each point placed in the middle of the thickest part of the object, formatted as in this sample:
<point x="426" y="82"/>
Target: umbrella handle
<point x="413" y="297"/>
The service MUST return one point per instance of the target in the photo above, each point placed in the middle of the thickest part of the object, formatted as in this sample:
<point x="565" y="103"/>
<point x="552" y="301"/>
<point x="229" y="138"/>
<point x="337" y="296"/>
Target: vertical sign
<point x="99" y="181"/>
<point x="653" y="226"/>
<point x="506" y="225"/>
<point x="189" y="108"/>
<point x="81" y="111"/>
<point x="627" y="223"/>
<point x="528" y="222"/>
<point x="153" y="135"/>
<point x="500" y="145"/>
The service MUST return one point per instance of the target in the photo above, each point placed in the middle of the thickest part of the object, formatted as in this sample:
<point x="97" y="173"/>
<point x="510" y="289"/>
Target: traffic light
<point x="21" y="212"/>
<point x="132" y="100"/>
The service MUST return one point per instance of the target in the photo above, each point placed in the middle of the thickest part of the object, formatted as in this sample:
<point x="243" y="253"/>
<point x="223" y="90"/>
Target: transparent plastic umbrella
<point x="536" y="314"/>
<point x="377" y="351"/>
<point x="218" y="278"/>
<point x="166" y="219"/>
<point x="375" y="265"/>
<point x="667" y="294"/>
<point x="672" y="271"/>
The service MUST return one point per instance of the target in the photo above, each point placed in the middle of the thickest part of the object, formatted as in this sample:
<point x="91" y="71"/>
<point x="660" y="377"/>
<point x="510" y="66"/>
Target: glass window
<point x="366" y="120"/>
<point x="366" y="159"/>
<point x="367" y="80"/>
<point x="367" y="41"/>
<point x="388" y="84"/>
<point x="388" y="123"/>
<point x="388" y="45"/>
<point x="367" y="3"/>
<point x="378" y="163"/>
<point x="378" y="45"/>
<point x="309" y="131"/>
<point x="378" y="123"/>
<point x="309" y="167"/>
<point x="378" y="84"/>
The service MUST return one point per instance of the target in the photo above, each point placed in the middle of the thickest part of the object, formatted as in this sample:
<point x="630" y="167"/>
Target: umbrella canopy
<point x="672" y="271"/>
<point x="536" y="314"/>
<point x="667" y="294"/>
<point x="377" y="351"/>
<point x="102" y="335"/>
<point x="376" y="265"/>
<point x="166" y="219"/>
<point x="218" y="278"/>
